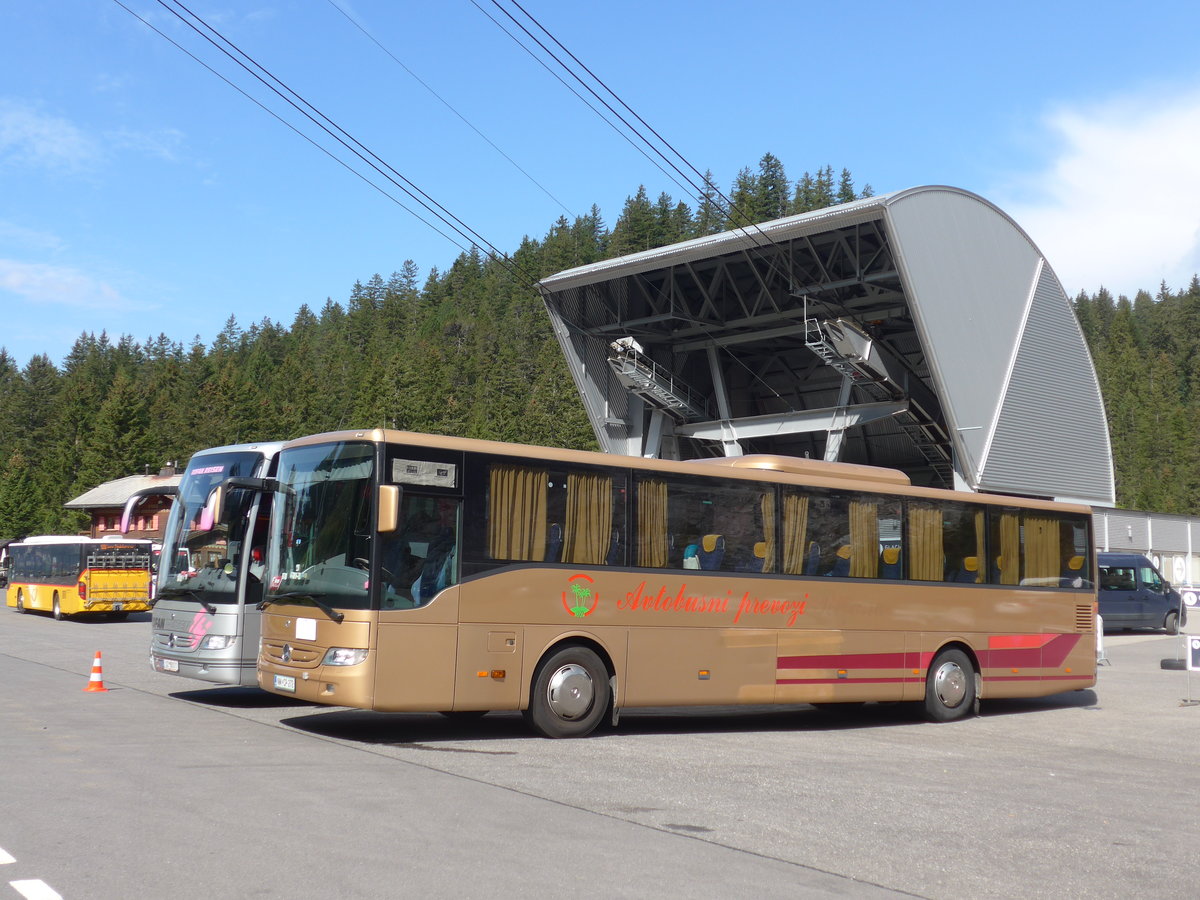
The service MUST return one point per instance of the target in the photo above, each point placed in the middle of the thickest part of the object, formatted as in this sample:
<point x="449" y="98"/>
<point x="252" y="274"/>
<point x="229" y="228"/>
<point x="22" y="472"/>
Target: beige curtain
<point x="795" y="532"/>
<point x="926" y="556"/>
<point x="980" y="546"/>
<point x="517" y="513"/>
<point x="589" y="519"/>
<point x="864" y="539"/>
<point x="1043" y="558"/>
<point x="1009" y="561"/>
<point x="767" y="506"/>
<point x="652" y="524"/>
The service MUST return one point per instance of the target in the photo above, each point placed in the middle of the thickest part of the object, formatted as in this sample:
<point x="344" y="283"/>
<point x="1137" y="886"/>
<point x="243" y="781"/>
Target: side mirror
<point x="213" y="506"/>
<point x="135" y="500"/>
<point x="389" y="508"/>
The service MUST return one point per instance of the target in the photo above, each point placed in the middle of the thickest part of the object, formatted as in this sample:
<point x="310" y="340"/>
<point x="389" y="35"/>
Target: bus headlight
<point x="218" y="642"/>
<point x="343" y="656"/>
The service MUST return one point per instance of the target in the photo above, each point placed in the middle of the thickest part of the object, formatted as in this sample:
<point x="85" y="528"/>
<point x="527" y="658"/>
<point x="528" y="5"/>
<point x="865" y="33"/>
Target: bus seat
<point x="889" y="563"/>
<point x="841" y="565"/>
<point x="814" y="559"/>
<point x="969" y="573"/>
<point x="691" y="556"/>
<point x="1073" y="568"/>
<point x="712" y="551"/>
<point x="757" y="560"/>
<point x="554" y="541"/>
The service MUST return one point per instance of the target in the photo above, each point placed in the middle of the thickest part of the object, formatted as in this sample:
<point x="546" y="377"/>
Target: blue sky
<point x="140" y="194"/>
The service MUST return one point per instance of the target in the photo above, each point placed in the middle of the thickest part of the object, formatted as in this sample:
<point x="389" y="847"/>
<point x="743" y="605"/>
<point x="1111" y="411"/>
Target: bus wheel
<point x="56" y="609"/>
<point x="950" y="687"/>
<point x="1171" y="625"/>
<point x="20" y="601"/>
<point x="570" y="694"/>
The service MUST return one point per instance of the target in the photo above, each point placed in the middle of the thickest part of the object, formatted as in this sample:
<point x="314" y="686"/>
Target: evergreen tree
<point x="772" y="190"/>
<point x="635" y="228"/>
<point x="845" y="192"/>
<point x="744" y="200"/>
<point x="20" y="503"/>
<point x="710" y="213"/>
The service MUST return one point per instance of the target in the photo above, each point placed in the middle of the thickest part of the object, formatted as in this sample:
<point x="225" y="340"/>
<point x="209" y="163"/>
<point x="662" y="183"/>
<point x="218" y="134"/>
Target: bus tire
<point x="950" y="687"/>
<point x="20" y="601"/>
<point x="1171" y="623"/>
<point x="570" y="695"/>
<point x="56" y="609"/>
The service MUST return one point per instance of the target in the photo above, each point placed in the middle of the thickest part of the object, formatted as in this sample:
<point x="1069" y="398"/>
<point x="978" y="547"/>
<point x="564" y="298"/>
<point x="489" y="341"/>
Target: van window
<point x="1150" y="579"/>
<point x="1117" y="578"/>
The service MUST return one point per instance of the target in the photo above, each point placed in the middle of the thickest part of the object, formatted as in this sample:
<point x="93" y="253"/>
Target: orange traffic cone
<point x="96" y="682"/>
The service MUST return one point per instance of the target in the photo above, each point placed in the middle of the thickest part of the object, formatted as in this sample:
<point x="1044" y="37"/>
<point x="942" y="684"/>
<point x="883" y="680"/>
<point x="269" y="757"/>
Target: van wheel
<point x="950" y="687"/>
<point x="570" y="694"/>
<point x="1171" y="625"/>
<point x="56" y="609"/>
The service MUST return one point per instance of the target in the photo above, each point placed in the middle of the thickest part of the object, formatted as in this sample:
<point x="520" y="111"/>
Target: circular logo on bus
<point x="579" y="599"/>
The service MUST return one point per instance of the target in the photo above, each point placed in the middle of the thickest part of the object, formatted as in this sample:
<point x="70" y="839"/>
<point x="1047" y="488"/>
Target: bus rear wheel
<point x="570" y="694"/>
<point x="950" y="691"/>
<point x="56" y="608"/>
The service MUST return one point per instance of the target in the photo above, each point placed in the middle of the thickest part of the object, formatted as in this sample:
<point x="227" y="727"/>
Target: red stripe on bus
<point x="1014" y="641"/>
<point x="849" y="680"/>
<point x="1048" y="656"/>
<point x="1006" y="651"/>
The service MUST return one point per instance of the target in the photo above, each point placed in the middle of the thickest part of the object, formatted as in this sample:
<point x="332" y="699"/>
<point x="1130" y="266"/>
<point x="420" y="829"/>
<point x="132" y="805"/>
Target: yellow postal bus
<point x="65" y="575"/>
<point x="409" y="572"/>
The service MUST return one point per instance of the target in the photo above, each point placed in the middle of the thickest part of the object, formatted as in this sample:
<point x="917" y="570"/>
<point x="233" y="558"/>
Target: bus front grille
<point x="292" y="654"/>
<point x="176" y="640"/>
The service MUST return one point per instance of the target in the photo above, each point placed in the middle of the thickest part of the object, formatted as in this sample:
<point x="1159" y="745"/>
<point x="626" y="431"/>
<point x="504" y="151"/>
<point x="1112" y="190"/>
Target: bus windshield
<point x="201" y="558"/>
<point x="321" y="534"/>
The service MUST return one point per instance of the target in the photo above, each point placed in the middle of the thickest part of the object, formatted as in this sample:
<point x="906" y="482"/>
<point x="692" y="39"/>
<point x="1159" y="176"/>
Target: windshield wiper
<point x="304" y="595"/>
<point x="179" y="592"/>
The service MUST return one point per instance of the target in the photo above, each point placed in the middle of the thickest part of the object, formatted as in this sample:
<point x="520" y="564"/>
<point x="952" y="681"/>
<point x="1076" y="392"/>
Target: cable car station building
<point x="920" y="330"/>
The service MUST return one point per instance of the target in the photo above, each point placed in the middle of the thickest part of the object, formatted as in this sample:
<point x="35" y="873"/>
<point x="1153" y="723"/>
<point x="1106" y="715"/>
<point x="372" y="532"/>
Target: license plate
<point x="117" y="607"/>
<point x="285" y="683"/>
<point x="170" y="665"/>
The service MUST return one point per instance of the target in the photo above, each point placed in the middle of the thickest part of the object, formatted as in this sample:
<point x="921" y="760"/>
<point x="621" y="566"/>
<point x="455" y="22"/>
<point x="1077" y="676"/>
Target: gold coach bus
<point x="411" y="572"/>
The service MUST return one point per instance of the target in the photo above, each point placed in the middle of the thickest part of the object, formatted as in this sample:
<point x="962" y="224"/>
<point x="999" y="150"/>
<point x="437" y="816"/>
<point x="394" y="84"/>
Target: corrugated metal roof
<point x="740" y="240"/>
<point x="115" y="493"/>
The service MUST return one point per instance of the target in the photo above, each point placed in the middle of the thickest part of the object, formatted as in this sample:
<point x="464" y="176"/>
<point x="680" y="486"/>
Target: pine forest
<point x="469" y="351"/>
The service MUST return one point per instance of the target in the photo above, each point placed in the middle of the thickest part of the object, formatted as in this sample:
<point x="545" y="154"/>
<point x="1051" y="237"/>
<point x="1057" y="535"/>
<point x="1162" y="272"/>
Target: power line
<point x="448" y="106"/>
<point x="751" y="230"/>
<point x="340" y="135"/>
<point x="730" y="211"/>
<point x="284" y="122"/>
<point x="322" y="121"/>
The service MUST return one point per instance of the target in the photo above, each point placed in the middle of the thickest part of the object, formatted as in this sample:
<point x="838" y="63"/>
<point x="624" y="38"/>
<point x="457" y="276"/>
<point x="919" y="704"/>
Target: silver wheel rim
<point x="950" y="684"/>
<point x="570" y="692"/>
